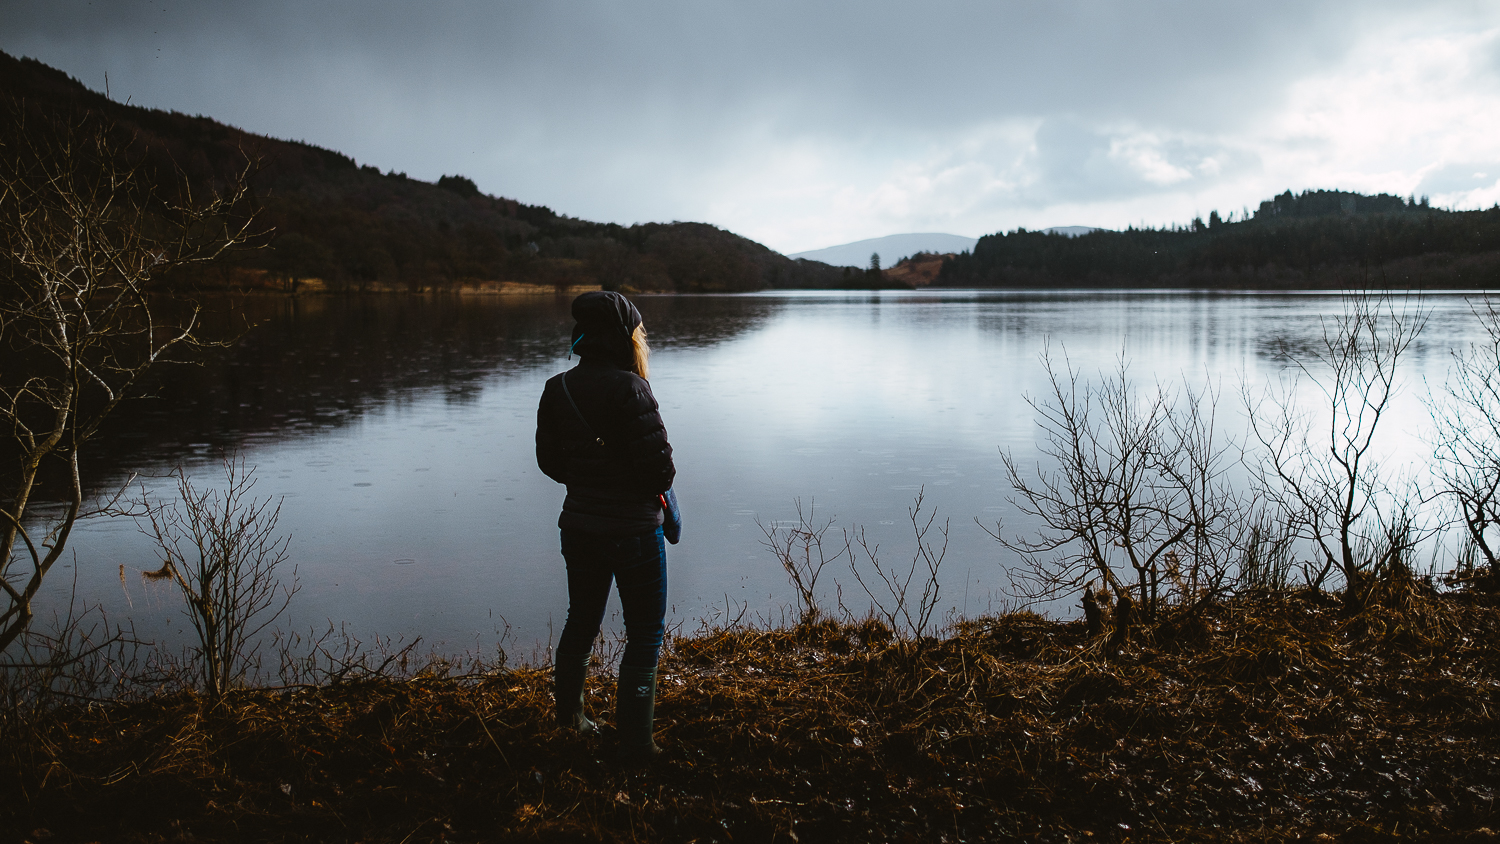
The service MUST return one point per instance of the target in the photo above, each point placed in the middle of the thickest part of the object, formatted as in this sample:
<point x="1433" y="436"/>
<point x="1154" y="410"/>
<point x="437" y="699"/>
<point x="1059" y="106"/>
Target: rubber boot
<point x="568" y="673"/>
<point x="635" y="709"/>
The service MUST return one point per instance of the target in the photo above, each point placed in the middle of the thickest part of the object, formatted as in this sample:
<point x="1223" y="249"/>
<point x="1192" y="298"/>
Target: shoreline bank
<point x="1268" y="717"/>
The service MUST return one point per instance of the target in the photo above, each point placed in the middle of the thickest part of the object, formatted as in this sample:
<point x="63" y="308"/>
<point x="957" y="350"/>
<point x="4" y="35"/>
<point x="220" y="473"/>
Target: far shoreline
<point x="514" y="289"/>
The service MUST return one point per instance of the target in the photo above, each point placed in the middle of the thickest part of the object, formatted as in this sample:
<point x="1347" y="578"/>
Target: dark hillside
<point x="1318" y="239"/>
<point x="342" y="226"/>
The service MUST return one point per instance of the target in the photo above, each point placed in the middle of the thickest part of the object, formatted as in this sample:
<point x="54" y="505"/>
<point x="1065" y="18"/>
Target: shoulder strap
<point x="586" y="426"/>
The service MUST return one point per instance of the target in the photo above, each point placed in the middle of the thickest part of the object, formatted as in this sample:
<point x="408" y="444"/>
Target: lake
<point x="399" y="432"/>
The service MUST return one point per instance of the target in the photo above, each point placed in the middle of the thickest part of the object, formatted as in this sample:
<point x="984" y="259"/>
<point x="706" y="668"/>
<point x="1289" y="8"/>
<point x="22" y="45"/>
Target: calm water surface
<point x="399" y="432"/>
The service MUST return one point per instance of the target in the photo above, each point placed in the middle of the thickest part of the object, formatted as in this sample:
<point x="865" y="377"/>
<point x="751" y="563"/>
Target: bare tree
<point x="84" y="235"/>
<point x="221" y="549"/>
<point x="1137" y="490"/>
<point x="1467" y="444"/>
<point x="1319" y="470"/>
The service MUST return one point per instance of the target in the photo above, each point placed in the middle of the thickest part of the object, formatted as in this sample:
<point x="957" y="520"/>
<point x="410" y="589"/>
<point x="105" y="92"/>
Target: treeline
<point x="334" y="224"/>
<point x="1316" y="239"/>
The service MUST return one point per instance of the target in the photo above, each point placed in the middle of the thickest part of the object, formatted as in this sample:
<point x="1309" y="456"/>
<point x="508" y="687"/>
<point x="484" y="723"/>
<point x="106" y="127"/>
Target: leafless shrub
<point x="1318" y="471"/>
<point x="1137" y="490"/>
<point x="802" y="553"/>
<point x="221" y="549"/>
<point x="77" y="656"/>
<point x="70" y="661"/>
<point x="804" y="550"/>
<point x="896" y="603"/>
<point x="84" y="235"/>
<point x="1467" y="447"/>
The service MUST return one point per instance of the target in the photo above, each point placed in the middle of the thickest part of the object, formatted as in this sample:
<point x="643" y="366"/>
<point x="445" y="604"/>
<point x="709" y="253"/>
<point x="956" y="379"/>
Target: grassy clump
<point x="1263" y="718"/>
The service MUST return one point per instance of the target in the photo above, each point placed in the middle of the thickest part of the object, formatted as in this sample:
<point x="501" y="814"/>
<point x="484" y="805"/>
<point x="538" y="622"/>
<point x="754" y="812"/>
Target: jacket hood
<point x="605" y="321"/>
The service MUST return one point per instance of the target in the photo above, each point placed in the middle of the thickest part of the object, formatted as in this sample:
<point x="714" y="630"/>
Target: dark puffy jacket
<point x="613" y="488"/>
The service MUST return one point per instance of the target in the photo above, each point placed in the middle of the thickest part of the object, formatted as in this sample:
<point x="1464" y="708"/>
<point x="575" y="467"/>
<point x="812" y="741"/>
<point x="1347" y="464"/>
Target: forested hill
<point x="343" y="226"/>
<point x="1316" y="239"/>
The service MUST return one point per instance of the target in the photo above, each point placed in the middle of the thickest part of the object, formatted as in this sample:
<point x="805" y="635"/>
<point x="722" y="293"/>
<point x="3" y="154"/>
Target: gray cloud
<point x="819" y="67"/>
<point x="1075" y="162"/>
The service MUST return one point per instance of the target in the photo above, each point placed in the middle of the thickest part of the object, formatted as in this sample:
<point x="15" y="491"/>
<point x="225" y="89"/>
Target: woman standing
<point x="599" y="431"/>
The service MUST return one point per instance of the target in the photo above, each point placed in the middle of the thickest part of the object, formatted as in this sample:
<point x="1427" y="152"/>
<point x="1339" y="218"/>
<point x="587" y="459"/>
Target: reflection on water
<point x="306" y="365"/>
<point x="400" y="432"/>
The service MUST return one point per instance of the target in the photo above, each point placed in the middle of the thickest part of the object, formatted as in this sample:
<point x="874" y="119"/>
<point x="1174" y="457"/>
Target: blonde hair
<point x="642" y="351"/>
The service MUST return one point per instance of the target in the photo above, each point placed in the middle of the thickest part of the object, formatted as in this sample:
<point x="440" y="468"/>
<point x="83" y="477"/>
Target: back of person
<point x="613" y="485"/>
<point x="599" y="431"/>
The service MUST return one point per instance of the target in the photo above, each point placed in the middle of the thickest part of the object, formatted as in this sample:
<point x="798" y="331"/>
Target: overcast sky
<point x="806" y="124"/>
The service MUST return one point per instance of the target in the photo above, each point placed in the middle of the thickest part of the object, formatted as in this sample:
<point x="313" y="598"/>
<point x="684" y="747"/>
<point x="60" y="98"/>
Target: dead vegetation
<point x="1267" y="717"/>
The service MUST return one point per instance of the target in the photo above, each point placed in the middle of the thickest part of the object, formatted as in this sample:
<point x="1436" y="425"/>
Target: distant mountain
<point x="340" y="226"/>
<point x="891" y="248"/>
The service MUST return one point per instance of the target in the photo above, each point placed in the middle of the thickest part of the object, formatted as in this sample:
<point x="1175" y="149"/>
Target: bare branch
<point x="1134" y="488"/>
<point x="85" y="239"/>
<point x="1323" y="480"/>
<point x="221" y="550"/>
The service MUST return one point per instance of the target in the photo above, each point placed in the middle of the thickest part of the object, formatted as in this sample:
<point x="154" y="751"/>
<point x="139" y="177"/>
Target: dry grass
<point x="1268" y="718"/>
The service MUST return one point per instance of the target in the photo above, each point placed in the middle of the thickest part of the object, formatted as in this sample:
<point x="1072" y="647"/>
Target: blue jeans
<point x="638" y="567"/>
